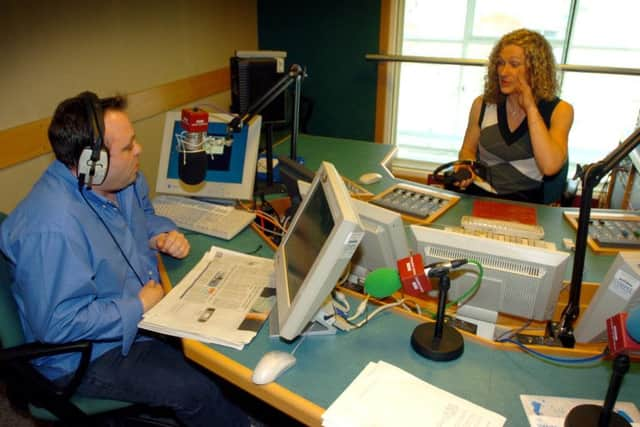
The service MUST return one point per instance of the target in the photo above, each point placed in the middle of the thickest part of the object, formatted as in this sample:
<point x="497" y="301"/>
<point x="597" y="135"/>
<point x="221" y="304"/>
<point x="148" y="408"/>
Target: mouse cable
<point x="302" y="338"/>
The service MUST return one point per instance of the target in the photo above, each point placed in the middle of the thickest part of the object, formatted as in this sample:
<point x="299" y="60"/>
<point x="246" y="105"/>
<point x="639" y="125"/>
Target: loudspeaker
<point x="93" y="163"/>
<point x="251" y="78"/>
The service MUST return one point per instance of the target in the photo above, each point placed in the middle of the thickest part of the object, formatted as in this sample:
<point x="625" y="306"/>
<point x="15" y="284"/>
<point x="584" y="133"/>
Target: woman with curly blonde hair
<point x="518" y="129"/>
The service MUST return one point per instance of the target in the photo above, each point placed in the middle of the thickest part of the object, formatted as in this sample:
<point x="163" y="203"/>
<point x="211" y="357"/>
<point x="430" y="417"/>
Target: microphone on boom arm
<point x="196" y="146"/>
<point x="192" y="165"/>
<point x="623" y="333"/>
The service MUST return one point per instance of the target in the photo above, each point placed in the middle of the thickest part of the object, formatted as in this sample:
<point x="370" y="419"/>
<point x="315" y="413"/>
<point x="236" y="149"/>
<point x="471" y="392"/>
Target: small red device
<point x="619" y="339"/>
<point x="195" y="120"/>
<point x="411" y="270"/>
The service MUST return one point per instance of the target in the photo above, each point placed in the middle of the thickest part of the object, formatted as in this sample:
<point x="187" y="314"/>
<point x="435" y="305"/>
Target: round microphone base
<point x="589" y="415"/>
<point x="449" y="346"/>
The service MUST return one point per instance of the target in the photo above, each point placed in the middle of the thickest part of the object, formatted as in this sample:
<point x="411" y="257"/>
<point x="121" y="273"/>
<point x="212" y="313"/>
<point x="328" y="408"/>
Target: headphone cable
<point x="112" y="236"/>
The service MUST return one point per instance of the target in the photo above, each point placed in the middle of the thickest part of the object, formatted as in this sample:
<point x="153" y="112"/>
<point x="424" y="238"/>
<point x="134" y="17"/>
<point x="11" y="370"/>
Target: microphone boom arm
<point x="590" y="175"/>
<point x="296" y="74"/>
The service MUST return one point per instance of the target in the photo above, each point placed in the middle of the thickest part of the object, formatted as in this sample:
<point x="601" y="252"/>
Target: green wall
<point x="330" y="39"/>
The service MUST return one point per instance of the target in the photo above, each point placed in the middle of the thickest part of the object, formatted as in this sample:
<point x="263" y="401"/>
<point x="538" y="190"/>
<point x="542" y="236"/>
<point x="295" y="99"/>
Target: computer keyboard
<point x="538" y="243"/>
<point x="510" y="228"/>
<point x="212" y="219"/>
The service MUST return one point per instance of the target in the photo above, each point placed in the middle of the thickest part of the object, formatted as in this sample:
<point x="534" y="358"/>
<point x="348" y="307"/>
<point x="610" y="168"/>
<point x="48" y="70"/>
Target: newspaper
<point x="224" y="299"/>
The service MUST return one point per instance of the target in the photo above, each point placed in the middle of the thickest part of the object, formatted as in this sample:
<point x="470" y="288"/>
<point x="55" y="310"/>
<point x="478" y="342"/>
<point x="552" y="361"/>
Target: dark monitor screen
<point x="307" y="239"/>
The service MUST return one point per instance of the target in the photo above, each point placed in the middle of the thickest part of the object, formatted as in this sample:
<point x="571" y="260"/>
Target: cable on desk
<point x="554" y="358"/>
<point x="267" y="222"/>
<point x="512" y="332"/>
<point x="255" y="251"/>
<point x="472" y="290"/>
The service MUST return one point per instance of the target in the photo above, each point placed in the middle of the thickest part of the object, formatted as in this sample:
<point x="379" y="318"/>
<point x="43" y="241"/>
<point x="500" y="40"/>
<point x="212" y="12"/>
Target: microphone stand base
<point x="589" y="415"/>
<point x="449" y="346"/>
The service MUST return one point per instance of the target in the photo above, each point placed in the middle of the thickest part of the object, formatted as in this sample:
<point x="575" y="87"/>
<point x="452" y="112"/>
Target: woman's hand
<point x="525" y="98"/>
<point x="465" y="182"/>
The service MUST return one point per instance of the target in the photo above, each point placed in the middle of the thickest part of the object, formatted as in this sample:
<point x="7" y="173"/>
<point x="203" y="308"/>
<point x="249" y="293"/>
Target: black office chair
<point x="555" y="186"/>
<point x="29" y="390"/>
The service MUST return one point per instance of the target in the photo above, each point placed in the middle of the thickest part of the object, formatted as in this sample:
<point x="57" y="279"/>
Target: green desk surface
<point x="353" y="158"/>
<point x="484" y="375"/>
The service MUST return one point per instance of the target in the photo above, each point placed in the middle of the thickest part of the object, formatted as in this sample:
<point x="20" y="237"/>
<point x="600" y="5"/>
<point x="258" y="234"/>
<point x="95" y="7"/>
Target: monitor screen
<point x="315" y="250"/>
<point x="230" y="169"/>
<point x="520" y="280"/>
<point x="618" y="292"/>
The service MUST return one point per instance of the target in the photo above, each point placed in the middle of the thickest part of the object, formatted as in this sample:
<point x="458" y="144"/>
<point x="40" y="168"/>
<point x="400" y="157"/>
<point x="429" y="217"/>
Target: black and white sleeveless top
<point x="509" y="155"/>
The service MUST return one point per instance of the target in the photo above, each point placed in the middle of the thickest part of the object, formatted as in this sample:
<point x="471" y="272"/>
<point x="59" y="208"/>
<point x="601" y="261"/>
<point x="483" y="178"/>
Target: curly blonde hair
<point x="539" y="60"/>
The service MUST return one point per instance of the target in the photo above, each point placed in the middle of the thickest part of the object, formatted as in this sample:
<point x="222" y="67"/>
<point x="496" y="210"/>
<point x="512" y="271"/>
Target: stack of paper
<point x="224" y="300"/>
<point x="384" y="395"/>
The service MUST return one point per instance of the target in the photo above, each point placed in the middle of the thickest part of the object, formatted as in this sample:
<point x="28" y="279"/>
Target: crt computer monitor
<point x="618" y="292"/>
<point x="519" y="280"/>
<point x="322" y="237"/>
<point x="229" y="175"/>
<point x="385" y="238"/>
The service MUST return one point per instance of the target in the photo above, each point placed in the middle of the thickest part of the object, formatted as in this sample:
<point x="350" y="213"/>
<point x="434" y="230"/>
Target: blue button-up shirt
<point x="71" y="281"/>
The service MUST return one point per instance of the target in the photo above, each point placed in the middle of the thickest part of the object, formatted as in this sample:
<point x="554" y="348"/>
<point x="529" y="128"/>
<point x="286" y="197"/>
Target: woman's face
<point x="510" y="66"/>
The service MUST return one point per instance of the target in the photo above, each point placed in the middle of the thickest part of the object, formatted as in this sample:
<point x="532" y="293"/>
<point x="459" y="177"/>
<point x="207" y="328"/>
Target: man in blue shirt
<point x="84" y="263"/>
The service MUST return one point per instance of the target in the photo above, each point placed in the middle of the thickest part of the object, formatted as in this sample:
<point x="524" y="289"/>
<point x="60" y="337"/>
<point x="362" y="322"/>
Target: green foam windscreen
<point x="382" y="282"/>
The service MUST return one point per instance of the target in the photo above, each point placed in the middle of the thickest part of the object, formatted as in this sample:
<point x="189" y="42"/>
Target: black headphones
<point x="445" y="173"/>
<point x="94" y="159"/>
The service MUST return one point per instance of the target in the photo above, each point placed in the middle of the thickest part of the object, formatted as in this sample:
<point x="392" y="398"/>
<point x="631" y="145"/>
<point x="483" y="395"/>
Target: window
<point x="434" y="100"/>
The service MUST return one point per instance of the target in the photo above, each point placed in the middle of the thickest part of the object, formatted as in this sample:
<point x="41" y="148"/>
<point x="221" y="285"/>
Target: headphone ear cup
<point x="94" y="172"/>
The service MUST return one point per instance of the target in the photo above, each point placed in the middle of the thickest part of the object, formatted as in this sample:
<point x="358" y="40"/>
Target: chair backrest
<point x="10" y="327"/>
<point x="553" y="186"/>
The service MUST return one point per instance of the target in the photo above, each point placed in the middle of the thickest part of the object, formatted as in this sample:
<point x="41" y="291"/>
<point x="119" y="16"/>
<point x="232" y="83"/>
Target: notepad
<point x="505" y="211"/>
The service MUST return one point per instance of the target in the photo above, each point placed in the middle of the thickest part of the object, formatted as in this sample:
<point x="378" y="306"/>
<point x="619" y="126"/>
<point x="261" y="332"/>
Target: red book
<point x="504" y="211"/>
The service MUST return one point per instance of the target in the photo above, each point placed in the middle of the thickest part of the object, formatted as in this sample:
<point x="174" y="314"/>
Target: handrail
<point x="483" y="63"/>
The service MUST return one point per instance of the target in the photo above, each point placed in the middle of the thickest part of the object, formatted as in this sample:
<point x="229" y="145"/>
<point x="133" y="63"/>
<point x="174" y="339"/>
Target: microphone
<point x="623" y="332"/>
<point x="382" y="283"/>
<point x="633" y="324"/>
<point x="192" y="165"/>
<point x="439" y="268"/>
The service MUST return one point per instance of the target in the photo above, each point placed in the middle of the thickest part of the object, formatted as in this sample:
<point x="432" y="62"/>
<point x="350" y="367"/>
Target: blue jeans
<point x="156" y="374"/>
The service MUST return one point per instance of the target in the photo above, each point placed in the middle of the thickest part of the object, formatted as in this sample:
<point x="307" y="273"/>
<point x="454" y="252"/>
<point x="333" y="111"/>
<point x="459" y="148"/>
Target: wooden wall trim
<point x="29" y="140"/>
<point x="383" y="67"/>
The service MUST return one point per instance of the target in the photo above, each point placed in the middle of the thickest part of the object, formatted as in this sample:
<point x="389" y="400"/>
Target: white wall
<point x="53" y="50"/>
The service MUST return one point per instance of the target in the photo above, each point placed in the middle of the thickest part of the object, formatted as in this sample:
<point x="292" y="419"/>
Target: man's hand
<point x="150" y="295"/>
<point x="172" y="243"/>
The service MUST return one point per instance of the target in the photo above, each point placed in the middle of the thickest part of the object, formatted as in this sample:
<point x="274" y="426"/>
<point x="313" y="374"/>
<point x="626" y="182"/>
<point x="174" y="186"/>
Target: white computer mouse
<point x="370" y="178"/>
<point x="271" y="366"/>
